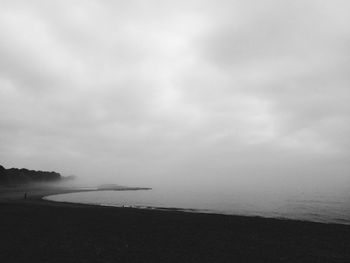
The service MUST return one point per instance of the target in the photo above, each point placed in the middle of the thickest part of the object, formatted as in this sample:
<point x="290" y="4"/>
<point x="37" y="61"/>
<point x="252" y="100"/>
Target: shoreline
<point x="39" y="196"/>
<point x="191" y="210"/>
<point x="38" y="230"/>
<point x="337" y="221"/>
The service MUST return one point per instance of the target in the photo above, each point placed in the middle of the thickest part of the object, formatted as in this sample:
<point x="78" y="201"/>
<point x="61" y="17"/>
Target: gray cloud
<point x="185" y="91"/>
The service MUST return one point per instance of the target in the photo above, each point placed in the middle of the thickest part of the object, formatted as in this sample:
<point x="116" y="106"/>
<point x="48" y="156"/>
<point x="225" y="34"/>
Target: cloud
<point x="290" y="56"/>
<point x="142" y="91"/>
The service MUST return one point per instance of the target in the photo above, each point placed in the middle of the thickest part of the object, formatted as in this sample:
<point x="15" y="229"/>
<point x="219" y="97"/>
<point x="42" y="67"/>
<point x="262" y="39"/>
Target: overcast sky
<point x="147" y="92"/>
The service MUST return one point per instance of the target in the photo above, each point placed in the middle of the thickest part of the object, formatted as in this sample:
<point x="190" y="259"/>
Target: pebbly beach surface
<point x="36" y="230"/>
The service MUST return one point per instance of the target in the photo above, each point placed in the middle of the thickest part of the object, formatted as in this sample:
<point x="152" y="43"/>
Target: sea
<point x="325" y="207"/>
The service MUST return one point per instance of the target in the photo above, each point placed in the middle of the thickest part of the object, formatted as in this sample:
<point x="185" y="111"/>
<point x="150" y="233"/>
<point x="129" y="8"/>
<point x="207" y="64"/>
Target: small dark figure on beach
<point x="25" y="195"/>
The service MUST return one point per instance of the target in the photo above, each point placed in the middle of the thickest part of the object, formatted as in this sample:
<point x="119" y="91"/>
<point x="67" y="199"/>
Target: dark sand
<point x="35" y="230"/>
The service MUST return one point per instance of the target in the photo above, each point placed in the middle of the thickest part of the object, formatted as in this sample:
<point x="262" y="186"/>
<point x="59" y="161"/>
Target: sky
<point x="178" y="92"/>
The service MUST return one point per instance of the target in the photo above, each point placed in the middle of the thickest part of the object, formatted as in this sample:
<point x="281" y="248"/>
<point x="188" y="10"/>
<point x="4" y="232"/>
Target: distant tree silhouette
<point x="22" y="176"/>
<point x="3" y="177"/>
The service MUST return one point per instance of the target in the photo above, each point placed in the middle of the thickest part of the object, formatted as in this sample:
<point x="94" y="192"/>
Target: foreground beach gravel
<point x="35" y="230"/>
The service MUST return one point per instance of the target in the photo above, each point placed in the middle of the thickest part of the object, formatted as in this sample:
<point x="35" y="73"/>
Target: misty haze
<point x="236" y="108"/>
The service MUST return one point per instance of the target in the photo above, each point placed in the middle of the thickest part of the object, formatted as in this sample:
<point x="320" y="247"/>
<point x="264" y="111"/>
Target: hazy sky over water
<point x="152" y="92"/>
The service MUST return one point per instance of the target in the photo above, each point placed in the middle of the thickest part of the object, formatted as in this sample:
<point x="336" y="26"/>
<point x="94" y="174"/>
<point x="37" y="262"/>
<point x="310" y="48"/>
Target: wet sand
<point x="35" y="230"/>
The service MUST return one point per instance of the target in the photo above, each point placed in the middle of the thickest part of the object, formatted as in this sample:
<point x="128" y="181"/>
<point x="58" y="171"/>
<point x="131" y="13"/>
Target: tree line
<point x="23" y="176"/>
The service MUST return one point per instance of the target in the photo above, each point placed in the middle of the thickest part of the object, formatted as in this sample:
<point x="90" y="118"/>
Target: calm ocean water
<point x="318" y="207"/>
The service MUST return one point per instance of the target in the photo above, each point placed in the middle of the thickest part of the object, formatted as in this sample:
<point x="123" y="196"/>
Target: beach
<point x="35" y="230"/>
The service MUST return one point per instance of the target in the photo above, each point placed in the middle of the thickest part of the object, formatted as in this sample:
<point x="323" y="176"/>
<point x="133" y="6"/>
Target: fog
<point x="220" y="95"/>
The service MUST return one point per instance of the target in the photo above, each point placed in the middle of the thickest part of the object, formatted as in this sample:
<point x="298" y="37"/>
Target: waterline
<point x="325" y="209"/>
